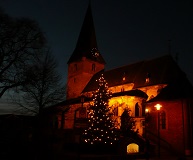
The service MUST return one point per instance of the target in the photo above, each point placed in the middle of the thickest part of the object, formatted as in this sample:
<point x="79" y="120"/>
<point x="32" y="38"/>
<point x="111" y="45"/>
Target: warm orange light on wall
<point x="146" y="110"/>
<point x="158" y="106"/>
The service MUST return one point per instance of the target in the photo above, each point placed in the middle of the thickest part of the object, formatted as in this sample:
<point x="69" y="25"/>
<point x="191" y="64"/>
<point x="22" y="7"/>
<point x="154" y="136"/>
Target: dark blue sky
<point x="127" y="30"/>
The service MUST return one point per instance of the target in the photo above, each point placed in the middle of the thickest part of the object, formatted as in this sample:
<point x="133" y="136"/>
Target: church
<point x="156" y="92"/>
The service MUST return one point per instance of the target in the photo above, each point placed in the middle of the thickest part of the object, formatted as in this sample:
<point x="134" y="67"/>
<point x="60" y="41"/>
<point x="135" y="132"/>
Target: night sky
<point x="127" y="31"/>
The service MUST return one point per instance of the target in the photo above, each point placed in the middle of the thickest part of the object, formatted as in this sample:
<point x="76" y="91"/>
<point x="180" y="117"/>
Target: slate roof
<point x="161" y="70"/>
<point x="181" y="88"/>
<point x="136" y="93"/>
<point x="86" y="41"/>
<point x="60" y="106"/>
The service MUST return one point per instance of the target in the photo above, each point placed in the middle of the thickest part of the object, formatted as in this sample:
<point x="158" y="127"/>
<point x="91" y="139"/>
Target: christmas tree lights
<point x="101" y="126"/>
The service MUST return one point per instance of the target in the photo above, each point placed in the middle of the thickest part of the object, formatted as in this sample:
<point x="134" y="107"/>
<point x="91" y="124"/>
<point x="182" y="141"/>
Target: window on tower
<point x="93" y="67"/>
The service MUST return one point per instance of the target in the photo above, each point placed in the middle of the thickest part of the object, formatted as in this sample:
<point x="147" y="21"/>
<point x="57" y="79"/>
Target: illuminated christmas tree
<point x="101" y="126"/>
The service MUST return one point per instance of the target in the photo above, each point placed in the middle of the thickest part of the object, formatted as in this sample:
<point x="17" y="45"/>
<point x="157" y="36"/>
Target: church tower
<point x="86" y="59"/>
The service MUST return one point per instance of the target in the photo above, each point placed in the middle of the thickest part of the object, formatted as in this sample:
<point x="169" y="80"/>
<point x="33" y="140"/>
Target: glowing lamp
<point x="146" y="110"/>
<point x="158" y="106"/>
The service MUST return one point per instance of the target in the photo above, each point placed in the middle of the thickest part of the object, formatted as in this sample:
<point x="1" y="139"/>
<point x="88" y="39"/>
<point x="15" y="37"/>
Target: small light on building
<point x="146" y="110"/>
<point x="158" y="106"/>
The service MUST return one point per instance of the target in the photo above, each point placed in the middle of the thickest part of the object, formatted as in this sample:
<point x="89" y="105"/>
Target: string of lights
<point x="101" y="125"/>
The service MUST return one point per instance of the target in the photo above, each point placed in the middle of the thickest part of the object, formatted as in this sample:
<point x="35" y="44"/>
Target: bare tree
<point x="20" y="42"/>
<point x="45" y="87"/>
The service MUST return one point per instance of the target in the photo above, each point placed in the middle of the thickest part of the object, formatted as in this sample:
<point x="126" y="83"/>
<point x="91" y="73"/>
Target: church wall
<point x="76" y="84"/>
<point x="151" y="91"/>
<point x="79" y="74"/>
<point x="69" y="117"/>
<point x="173" y="134"/>
<point x="121" y="88"/>
<point x="187" y="109"/>
<point x="75" y="112"/>
<point x="114" y="89"/>
<point x="91" y="66"/>
<point x="118" y="104"/>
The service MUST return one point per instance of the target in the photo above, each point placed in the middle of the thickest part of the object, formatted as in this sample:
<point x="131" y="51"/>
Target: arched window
<point x="137" y="110"/>
<point x="132" y="148"/>
<point x="143" y="107"/>
<point x="93" y="67"/>
<point x="163" y="120"/>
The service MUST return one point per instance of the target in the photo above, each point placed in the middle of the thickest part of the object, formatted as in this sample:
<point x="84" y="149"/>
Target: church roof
<point x="181" y="88"/>
<point x="68" y="102"/>
<point x="87" y="45"/>
<point x="162" y="70"/>
<point x="135" y="92"/>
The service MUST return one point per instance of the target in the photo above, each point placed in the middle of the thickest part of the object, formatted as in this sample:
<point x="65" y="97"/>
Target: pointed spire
<point x="87" y="45"/>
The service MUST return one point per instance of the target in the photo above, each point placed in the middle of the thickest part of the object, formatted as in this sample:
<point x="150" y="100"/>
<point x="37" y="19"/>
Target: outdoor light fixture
<point x="146" y="110"/>
<point x="158" y="107"/>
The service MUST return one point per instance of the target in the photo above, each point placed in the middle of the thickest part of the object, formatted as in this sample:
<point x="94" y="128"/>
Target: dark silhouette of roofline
<point x="162" y="70"/>
<point x="87" y="44"/>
